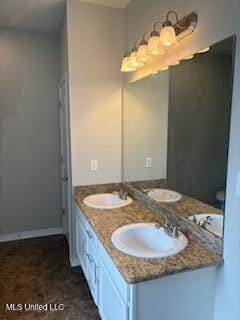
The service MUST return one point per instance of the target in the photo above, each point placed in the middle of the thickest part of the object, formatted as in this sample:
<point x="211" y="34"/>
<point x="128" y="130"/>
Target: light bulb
<point x="168" y="36"/>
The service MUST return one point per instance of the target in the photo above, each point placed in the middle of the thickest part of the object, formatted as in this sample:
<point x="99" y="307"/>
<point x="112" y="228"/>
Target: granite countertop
<point x="185" y="207"/>
<point x="133" y="270"/>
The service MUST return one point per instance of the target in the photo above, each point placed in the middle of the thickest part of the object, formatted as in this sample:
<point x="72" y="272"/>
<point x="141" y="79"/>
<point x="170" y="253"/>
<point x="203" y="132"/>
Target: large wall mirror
<point x="176" y="135"/>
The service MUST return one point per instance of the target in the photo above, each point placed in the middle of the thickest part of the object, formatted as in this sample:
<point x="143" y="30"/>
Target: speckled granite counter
<point x="134" y="270"/>
<point x="185" y="207"/>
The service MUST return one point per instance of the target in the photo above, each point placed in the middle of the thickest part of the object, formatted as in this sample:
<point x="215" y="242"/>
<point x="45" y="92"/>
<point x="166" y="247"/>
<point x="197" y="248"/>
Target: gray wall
<point x="29" y="131"/>
<point x="63" y="47"/>
<point x="199" y="119"/>
<point x="95" y="45"/>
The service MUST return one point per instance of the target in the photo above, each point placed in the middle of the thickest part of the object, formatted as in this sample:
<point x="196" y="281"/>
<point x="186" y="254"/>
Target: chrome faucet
<point x="203" y="222"/>
<point x="121" y="194"/>
<point x="169" y="229"/>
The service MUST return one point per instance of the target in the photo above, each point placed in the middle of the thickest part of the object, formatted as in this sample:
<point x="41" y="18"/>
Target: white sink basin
<point x="215" y="223"/>
<point x="144" y="240"/>
<point x="106" y="201"/>
<point x="164" y="195"/>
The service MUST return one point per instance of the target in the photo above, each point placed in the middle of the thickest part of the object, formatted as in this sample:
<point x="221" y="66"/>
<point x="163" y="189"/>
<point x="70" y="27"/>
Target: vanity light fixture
<point x="167" y="37"/>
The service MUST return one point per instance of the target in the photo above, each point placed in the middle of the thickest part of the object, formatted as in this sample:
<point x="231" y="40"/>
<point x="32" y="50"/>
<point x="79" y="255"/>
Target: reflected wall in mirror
<point x="176" y="133"/>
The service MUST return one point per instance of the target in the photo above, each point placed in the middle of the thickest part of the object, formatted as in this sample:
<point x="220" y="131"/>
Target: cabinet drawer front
<point x="81" y="216"/>
<point x="93" y="282"/>
<point x="92" y="255"/>
<point x="91" y="235"/>
<point x="115" y="275"/>
<point x="81" y="245"/>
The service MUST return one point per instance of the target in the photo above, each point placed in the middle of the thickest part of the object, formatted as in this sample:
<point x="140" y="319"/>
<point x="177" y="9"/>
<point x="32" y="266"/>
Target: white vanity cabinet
<point x="87" y="252"/>
<point x="81" y="245"/>
<point x="109" y="290"/>
<point x="187" y="296"/>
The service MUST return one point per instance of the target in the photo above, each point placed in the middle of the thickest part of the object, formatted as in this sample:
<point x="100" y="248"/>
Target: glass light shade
<point x="134" y="59"/>
<point x="143" y="53"/>
<point x="189" y="57"/>
<point x="140" y="64"/>
<point x="126" y="67"/>
<point x="163" y="69"/>
<point x="154" y="46"/>
<point x="168" y="36"/>
<point x="204" y="50"/>
<point x="176" y="63"/>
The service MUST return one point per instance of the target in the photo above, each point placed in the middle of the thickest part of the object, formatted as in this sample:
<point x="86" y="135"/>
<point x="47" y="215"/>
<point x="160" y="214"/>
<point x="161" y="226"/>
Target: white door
<point x="65" y="155"/>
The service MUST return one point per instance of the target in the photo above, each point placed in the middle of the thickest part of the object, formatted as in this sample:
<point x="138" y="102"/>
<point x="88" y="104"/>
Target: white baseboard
<point x="74" y="261"/>
<point x="31" y="234"/>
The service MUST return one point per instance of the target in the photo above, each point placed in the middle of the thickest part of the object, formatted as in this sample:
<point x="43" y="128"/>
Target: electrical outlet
<point x="94" y="165"/>
<point x="148" y="163"/>
<point x="238" y="185"/>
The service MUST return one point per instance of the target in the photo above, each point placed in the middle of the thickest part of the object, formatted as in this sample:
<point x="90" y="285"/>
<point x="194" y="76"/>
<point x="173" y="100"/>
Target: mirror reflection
<point x="176" y="133"/>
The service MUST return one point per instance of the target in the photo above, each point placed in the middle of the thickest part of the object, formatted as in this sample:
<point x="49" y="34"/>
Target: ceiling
<point x="120" y="4"/>
<point x="34" y="15"/>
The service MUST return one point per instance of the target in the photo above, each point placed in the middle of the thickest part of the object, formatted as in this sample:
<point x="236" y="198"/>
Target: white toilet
<point x="220" y="196"/>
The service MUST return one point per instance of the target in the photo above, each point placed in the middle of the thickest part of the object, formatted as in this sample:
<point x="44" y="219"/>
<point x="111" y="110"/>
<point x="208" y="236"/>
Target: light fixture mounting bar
<point x="186" y="25"/>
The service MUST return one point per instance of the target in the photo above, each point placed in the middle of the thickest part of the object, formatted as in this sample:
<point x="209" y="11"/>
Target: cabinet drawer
<point x="81" y="216"/>
<point x="92" y="238"/>
<point x="91" y="255"/>
<point x="93" y="281"/>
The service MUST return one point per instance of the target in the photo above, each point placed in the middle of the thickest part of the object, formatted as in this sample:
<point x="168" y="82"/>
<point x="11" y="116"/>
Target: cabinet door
<point x="111" y="306"/>
<point x="81" y="237"/>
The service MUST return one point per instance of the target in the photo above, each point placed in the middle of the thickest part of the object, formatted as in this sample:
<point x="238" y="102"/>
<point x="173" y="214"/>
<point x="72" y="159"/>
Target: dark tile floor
<point x="37" y="271"/>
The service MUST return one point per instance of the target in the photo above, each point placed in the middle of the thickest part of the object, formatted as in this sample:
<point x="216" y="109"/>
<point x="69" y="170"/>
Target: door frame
<point x="64" y="80"/>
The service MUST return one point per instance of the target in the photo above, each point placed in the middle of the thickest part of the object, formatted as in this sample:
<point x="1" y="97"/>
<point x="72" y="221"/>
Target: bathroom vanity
<point x="175" y="151"/>
<point x="129" y="288"/>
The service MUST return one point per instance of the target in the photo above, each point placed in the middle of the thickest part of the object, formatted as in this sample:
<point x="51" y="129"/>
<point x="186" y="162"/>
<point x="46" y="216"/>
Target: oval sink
<point x="106" y="201"/>
<point x="214" y="223"/>
<point x="164" y="195"/>
<point x="144" y="240"/>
